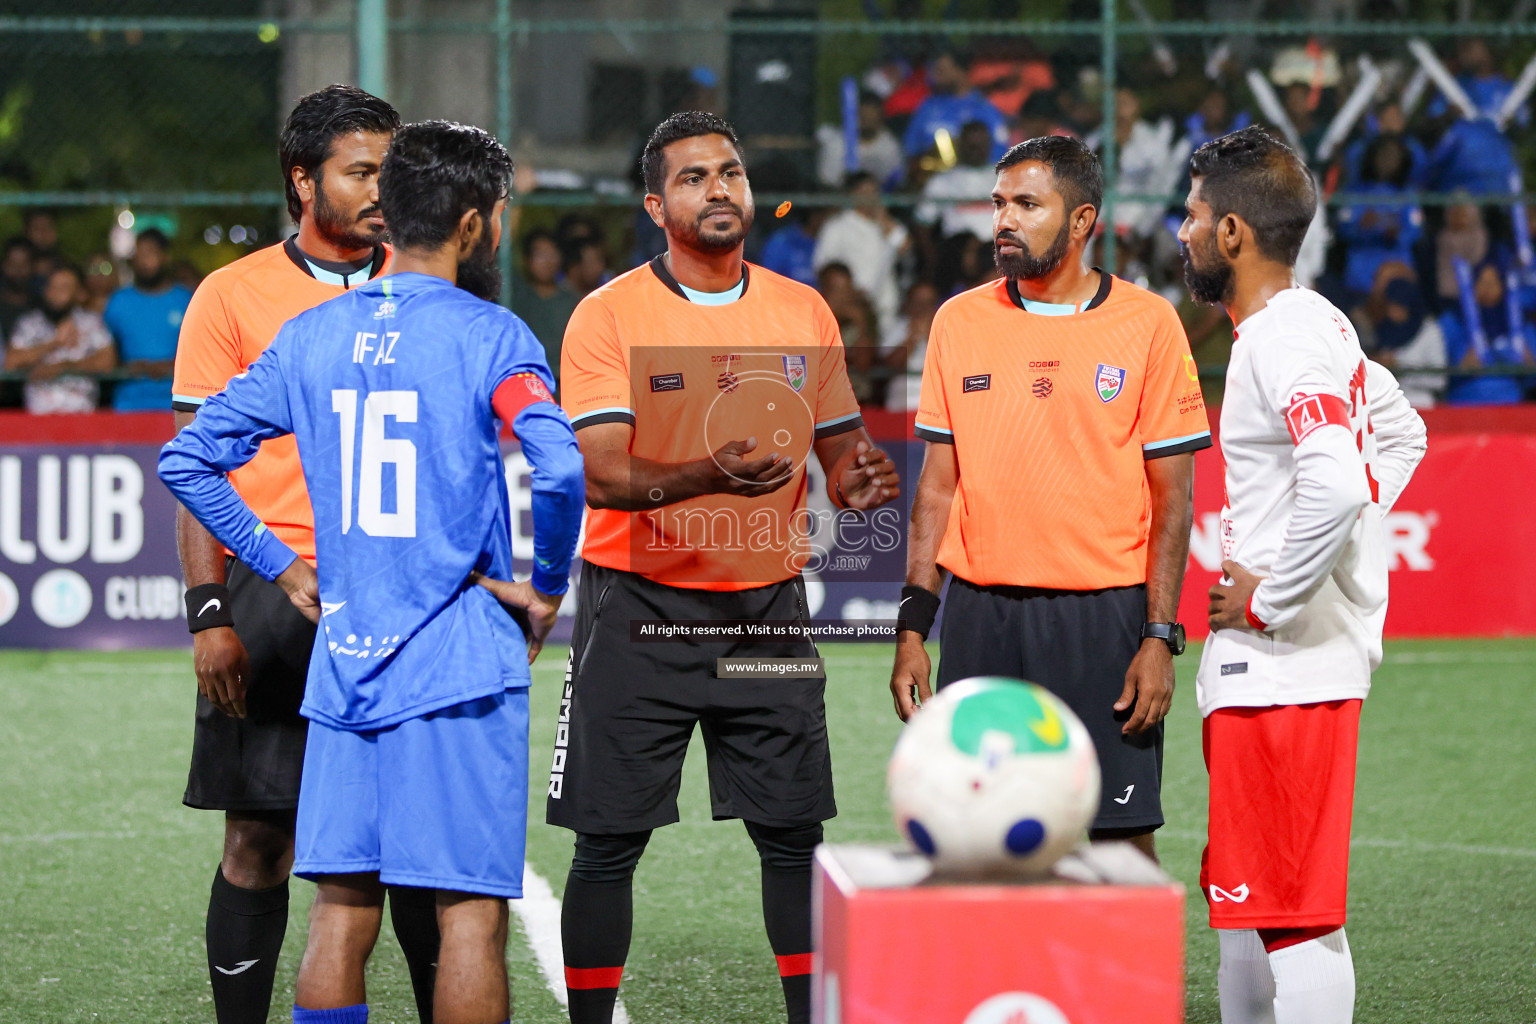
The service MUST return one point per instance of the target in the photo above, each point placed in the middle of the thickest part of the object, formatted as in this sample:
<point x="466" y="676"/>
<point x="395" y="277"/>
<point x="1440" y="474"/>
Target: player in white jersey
<point x="1318" y="442"/>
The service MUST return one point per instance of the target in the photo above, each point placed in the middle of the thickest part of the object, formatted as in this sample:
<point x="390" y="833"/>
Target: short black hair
<point x="67" y="268"/>
<point x="1079" y="177"/>
<point x="572" y="253"/>
<point x="538" y="235"/>
<point x="18" y="242"/>
<point x="316" y="122"/>
<point x="156" y="236"/>
<point x="689" y="124"/>
<point x="1255" y="176"/>
<point x="853" y="179"/>
<point x="433" y="172"/>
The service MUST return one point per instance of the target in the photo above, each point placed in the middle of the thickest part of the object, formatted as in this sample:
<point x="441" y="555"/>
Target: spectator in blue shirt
<point x="145" y="319"/>
<point x="1474" y="154"/>
<point x="1387" y="120"/>
<point x="949" y="106"/>
<point x="1373" y="234"/>
<point x="791" y="250"/>
<point x="1486" y="329"/>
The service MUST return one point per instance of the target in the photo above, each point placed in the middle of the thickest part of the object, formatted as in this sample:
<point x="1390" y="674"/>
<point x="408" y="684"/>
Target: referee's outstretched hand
<point x="735" y="474"/>
<point x="541" y="608"/>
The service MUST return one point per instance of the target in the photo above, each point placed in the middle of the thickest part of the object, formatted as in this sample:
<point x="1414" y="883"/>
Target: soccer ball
<point x="994" y="775"/>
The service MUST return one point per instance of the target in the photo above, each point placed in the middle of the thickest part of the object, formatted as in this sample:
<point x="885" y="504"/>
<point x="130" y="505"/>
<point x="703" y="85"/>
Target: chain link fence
<point x="121" y="114"/>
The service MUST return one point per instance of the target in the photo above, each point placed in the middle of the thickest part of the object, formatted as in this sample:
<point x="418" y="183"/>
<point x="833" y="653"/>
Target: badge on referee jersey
<point x="1111" y="380"/>
<point x="794" y="371"/>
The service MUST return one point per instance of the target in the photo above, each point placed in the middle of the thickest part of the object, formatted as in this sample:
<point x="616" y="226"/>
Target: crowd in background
<point x="1443" y="293"/>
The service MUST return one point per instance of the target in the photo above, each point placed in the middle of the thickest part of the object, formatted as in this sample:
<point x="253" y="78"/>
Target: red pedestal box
<point x="1100" y="942"/>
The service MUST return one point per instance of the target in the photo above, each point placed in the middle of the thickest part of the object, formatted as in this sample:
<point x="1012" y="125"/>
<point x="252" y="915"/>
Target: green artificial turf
<point x="104" y="875"/>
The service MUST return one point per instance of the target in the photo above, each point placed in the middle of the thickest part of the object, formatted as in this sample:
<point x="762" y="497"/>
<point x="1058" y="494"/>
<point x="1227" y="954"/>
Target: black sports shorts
<point x="629" y="709"/>
<point x="254" y="763"/>
<point x="1077" y="644"/>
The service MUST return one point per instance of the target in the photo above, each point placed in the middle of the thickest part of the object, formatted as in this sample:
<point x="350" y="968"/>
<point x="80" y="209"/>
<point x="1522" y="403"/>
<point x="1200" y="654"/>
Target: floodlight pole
<point x="372" y="29"/>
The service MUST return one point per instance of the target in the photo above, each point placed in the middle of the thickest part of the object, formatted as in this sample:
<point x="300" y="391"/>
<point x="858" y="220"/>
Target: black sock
<point x="786" y="854"/>
<point x="245" y="934"/>
<point x="787" y="916"/>
<point x="413" y="912"/>
<point x="595" y="923"/>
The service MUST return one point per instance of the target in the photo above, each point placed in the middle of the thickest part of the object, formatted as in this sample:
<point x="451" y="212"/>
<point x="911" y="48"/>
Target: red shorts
<point x="1282" y="793"/>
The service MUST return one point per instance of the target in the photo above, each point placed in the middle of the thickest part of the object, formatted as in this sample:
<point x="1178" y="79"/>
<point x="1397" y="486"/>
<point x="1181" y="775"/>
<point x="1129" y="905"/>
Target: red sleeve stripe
<point x="795" y="964"/>
<point x="1311" y="412"/>
<point x="1253" y="620"/>
<point x="583" y="978"/>
<point x="517" y="393"/>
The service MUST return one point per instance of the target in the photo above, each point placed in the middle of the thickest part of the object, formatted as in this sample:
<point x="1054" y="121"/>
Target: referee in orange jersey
<point x="1062" y="413"/>
<point x="699" y="387"/>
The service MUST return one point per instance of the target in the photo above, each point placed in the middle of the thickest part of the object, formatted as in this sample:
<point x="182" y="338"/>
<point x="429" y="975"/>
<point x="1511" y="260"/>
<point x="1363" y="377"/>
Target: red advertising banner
<point x="87" y="552"/>
<point x="1461" y="539"/>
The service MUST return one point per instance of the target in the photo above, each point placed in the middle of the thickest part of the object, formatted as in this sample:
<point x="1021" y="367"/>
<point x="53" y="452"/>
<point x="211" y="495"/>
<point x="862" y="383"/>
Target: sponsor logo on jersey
<point x="667" y="382"/>
<point x="1123" y="800"/>
<point x="1235" y="668"/>
<point x="980" y="382"/>
<point x="1045" y="364"/>
<point x="1043" y="387"/>
<point x="1220" y="895"/>
<point x="1110" y="380"/>
<point x="1017" y="1008"/>
<point x="794" y="372"/>
<point x="386" y="309"/>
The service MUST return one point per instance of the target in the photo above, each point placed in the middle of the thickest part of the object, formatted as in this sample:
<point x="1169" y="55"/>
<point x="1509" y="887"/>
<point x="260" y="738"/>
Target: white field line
<point x="539" y="913"/>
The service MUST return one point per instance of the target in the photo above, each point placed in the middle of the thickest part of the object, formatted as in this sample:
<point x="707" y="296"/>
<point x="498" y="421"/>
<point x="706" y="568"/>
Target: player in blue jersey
<point x="416" y="767"/>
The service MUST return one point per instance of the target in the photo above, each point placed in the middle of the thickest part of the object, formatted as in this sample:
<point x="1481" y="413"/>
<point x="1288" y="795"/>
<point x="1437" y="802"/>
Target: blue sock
<point x="357" y="1014"/>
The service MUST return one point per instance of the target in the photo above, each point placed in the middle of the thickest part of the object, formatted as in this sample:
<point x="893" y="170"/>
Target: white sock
<point x="1314" y="981"/>
<point x="1245" y="985"/>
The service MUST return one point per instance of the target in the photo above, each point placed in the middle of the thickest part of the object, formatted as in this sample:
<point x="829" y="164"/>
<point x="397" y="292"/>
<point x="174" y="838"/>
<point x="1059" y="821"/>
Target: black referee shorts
<point x="1077" y="644"/>
<point x="254" y="763"/>
<point x="629" y="710"/>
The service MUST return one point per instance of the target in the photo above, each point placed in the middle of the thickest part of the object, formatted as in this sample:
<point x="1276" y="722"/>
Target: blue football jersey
<point x="388" y="390"/>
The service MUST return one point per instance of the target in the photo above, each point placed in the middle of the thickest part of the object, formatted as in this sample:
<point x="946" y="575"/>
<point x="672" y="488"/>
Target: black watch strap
<point x="1170" y="633"/>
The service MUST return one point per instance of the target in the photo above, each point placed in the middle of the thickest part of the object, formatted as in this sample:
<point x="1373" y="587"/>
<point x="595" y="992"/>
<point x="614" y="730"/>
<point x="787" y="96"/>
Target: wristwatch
<point x="1170" y="633"/>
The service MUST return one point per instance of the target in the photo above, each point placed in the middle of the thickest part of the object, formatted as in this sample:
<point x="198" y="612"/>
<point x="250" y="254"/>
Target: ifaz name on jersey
<point x="382" y="347"/>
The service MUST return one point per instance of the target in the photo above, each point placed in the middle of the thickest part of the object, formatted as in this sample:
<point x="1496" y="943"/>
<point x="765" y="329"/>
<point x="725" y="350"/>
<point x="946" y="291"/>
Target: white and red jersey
<point x="1318" y="443"/>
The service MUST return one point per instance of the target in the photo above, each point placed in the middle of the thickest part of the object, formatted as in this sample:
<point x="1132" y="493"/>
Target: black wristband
<point x="207" y="607"/>
<point x="917" y="609"/>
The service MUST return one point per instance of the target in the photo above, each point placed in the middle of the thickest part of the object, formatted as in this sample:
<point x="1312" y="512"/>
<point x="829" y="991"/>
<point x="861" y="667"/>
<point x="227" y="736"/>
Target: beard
<point x="151" y="282"/>
<point x="343" y="230"/>
<point x="1212" y="283"/>
<point x="478" y="274"/>
<point x="696" y="236"/>
<point x="1026" y="265"/>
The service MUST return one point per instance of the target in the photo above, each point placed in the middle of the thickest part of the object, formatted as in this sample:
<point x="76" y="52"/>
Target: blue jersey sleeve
<point x="521" y="390"/>
<point x="559" y="492"/>
<point x="226" y="434"/>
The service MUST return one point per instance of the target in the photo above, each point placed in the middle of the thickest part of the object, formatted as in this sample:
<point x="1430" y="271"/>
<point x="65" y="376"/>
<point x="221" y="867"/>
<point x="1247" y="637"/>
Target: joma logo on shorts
<point x="562" y="736"/>
<point x="1238" y="895"/>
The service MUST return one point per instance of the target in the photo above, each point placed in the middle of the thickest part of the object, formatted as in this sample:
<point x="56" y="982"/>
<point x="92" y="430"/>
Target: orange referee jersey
<point x="234" y="315"/>
<point x="690" y="377"/>
<point x="1052" y="418"/>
